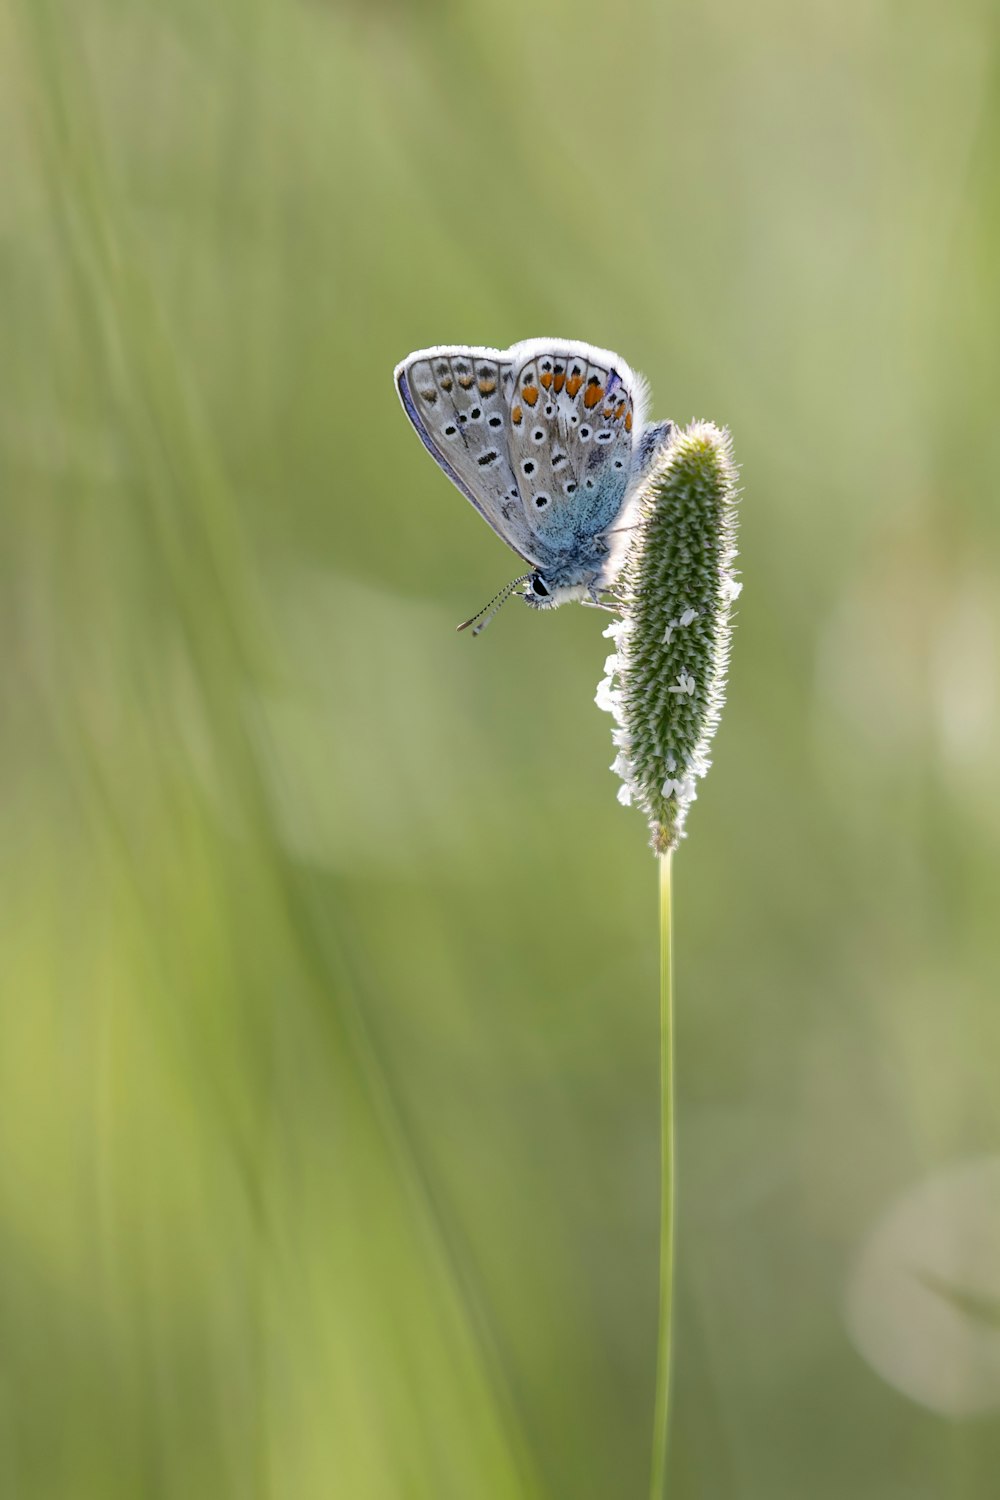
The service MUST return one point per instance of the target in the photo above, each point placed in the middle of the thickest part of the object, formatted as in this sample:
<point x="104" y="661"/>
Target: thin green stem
<point x="661" y="1410"/>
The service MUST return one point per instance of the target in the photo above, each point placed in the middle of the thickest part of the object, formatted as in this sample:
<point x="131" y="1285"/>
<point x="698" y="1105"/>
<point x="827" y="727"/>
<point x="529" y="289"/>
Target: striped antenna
<point x="487" y="612"/>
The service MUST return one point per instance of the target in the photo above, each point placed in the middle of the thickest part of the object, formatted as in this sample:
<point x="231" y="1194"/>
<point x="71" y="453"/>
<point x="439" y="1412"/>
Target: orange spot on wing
<point x="592" y="395"/>
<point x="516" y="416"/>
<point x="487" y="385"/>
<point x="573" y="384"/>
<point x="559" y="382"/>
<point x="628" y="422"/>
<point x="530" y="394"/>
<point x="545" y="378"/>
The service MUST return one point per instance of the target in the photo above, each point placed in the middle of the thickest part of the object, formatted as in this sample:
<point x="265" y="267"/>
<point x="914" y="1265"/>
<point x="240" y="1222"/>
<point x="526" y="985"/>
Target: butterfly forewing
<point x="571" y="421"/>
<point x="456" y="400"/>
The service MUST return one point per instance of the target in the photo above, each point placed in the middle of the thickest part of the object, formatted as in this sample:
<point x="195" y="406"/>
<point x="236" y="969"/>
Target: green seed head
<point x="665" y="682"/>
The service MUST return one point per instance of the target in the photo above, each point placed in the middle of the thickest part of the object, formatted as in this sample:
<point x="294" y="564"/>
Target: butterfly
<point x="548" y="439"/>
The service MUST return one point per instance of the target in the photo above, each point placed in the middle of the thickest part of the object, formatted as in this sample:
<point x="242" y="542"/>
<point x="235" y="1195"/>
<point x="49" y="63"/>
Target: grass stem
<point x="661" y="1410"/>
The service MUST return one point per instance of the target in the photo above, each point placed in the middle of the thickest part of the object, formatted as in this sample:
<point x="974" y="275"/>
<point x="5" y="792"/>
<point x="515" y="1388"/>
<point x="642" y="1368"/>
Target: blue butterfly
<point x="548" y="440"/>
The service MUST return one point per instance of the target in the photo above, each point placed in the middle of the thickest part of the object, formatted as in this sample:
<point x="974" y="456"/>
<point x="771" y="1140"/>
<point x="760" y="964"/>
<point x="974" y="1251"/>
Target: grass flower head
<point x="665" y="680"/>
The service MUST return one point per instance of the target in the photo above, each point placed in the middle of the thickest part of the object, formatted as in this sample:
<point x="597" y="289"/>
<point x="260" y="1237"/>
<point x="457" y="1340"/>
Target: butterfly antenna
<point x="485" y="615"/>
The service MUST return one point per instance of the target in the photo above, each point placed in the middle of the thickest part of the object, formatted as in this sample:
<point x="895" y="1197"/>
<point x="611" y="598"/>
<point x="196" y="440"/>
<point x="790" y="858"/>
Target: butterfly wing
<point x="572" y="413"/>
<point x="456" y="399"/>
<point x="648" y="448"/>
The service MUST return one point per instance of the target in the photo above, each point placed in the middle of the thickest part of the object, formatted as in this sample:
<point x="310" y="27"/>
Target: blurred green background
<point x="328" y="1050"/>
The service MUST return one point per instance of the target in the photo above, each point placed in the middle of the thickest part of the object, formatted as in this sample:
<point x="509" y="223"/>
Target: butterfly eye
<point x="538" y="588"/>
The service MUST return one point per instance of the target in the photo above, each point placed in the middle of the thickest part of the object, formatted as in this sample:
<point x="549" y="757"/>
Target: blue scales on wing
<point x="572" y="417"/>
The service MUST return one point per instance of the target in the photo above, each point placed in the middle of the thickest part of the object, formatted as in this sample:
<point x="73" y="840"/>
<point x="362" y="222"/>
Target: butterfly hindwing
<point x="572" y="415"/>
<point x="456" y="398"/>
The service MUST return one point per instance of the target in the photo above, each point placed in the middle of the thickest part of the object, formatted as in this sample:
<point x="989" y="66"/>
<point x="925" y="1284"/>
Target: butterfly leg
<point x="595" y="603"/>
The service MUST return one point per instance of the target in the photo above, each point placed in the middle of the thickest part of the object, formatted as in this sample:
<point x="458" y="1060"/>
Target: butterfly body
<point x="547" y="440"/>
